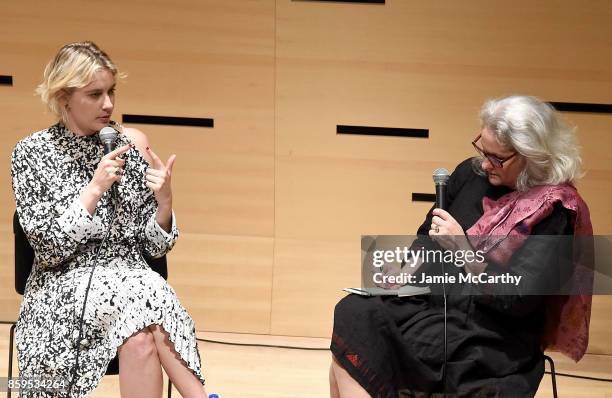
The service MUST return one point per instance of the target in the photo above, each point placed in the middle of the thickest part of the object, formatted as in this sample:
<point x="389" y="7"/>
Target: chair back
<point x="24" y="256"/>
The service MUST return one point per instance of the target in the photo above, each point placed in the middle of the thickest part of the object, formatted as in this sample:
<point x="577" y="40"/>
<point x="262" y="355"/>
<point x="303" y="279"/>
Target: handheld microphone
<point x="108" y="136"/>
<point x="440" y="177"/>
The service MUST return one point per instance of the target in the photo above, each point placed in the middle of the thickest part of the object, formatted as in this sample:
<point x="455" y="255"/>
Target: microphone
<point x="440" y="177"/>
<point x="108" y="136"/>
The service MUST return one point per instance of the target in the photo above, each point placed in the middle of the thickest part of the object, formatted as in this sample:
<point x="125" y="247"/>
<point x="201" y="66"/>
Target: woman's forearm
<point x="164" y="215"/>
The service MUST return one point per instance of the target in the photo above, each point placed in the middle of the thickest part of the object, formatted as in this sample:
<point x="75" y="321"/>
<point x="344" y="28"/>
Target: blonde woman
<point x="76" y="226"/>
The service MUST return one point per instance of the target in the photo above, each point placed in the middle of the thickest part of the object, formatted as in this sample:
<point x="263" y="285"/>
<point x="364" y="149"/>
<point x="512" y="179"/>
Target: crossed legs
<point x="141" y="358"/>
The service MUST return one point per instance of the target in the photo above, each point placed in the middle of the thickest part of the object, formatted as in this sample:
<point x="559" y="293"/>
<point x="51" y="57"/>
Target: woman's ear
<point x="63" y="96"/>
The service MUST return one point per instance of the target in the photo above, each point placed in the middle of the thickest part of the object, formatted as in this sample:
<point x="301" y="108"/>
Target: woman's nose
<point x="108" y="103"/>
<point x="486" y="165"/>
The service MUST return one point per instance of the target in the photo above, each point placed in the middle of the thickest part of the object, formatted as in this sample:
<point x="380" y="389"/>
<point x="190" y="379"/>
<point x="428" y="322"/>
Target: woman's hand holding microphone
<point x="447" y="232"/>
<point x="109" y="171"/>
<point x="157" y="178"/>
<point x="450" y="235"/>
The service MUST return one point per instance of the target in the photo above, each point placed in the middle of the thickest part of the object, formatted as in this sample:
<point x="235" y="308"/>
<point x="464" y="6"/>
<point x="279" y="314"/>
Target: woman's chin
<point x="101" y="123"/>
<point x="494" y="180"/>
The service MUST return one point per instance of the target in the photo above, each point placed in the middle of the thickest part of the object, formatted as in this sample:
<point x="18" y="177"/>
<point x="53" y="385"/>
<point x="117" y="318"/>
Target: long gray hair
<point x="535" y="130"/>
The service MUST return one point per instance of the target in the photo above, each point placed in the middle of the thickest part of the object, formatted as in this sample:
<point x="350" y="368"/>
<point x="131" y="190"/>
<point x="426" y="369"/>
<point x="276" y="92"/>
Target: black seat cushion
<point x="24" y="256"/>
<point x="113" y="366"/>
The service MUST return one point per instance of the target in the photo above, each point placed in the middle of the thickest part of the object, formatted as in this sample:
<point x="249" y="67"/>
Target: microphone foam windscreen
<point x="108" y="134"/>
<point x="440" y="176"/>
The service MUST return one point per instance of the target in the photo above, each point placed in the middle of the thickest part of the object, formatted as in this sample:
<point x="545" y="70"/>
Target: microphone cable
<point x="108" y="136"/>
<point x="440" y="178"/>
<point x="445" y="334"/>
<point x="82" y="343"/>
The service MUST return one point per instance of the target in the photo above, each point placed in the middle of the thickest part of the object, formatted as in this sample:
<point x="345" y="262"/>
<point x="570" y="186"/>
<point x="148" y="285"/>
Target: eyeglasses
<point x="494" y="160"/>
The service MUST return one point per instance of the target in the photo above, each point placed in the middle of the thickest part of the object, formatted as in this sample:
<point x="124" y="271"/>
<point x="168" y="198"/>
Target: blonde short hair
<point x="74" y="66"/>
<point x="537" y="132"/>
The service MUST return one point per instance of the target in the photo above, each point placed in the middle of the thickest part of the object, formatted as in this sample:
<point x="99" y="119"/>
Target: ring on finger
<point x="118" y="171"/>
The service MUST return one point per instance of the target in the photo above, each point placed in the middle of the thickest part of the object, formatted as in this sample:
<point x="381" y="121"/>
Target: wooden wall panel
<point x="190" y="58"/>
<point x="224" y="281"/>
<point x="9" y="302"/>
<point x="271" y="202"/>
<point x="593" y="132"/>
<point x="421" y="65"/>
<point x="599" y="333"/>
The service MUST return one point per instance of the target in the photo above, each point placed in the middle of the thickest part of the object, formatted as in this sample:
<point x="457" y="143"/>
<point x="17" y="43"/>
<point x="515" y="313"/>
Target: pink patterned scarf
<point x="514" y="215"/>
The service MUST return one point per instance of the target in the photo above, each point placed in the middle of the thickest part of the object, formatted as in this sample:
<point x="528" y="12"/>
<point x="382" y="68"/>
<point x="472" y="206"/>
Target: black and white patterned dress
<point x="50" y="168"/>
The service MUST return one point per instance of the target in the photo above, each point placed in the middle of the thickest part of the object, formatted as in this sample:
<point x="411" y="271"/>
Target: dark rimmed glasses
<point x="494" y="160"/>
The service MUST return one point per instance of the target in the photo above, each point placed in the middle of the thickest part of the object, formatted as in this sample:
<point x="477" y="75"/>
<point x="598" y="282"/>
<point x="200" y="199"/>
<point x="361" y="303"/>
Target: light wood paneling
<point x="9" y="300"/>
<point x="315" y="271"/>
<point x="271" y="202"/>
<point x="192" y="58"/>
<point x="599" y="336"/>
<point x="593" y="131"/>
<point x="224" y="281"/>
<point x="411" y="64"/>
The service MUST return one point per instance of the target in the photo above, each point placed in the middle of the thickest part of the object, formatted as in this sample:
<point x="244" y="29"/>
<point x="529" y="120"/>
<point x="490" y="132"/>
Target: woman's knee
<point x="159" y="334"/>
<point x="140" y="345"/>
<point x="352" y="307"/>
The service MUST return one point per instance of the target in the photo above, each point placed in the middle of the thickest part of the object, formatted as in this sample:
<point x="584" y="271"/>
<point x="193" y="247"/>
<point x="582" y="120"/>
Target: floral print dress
<point x="50" y="168"/>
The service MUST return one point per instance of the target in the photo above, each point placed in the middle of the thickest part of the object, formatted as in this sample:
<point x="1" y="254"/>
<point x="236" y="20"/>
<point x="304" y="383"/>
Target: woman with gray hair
<point x="547" y="146"/>
<point x="473" y="339"/>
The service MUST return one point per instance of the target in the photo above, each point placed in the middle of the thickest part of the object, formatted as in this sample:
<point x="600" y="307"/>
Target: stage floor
<point x="266" y="372"/>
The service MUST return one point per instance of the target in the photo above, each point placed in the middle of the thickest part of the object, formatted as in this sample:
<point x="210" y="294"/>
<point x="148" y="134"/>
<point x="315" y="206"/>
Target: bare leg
<point x="345" y="384"/>
<point x="333" y="384"/>
<point x="139" y="367"/>
<point x="186" y="382"/>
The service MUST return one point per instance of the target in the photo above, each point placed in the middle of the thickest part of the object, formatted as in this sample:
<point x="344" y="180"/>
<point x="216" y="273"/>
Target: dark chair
<point x="553" y="374"/>
<point x="24" y="260"/>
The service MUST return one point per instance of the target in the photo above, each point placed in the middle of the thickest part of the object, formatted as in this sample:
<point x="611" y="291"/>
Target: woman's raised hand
<point x="158" y="178"/>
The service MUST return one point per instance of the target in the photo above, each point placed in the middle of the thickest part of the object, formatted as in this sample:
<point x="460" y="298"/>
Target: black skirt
<point x="394" y="347"/>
